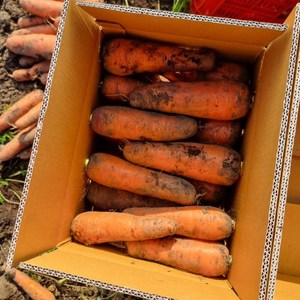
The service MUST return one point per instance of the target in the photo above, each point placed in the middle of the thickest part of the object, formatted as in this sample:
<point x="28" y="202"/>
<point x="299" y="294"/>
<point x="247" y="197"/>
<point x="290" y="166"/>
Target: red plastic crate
<point x="274" y="11"/>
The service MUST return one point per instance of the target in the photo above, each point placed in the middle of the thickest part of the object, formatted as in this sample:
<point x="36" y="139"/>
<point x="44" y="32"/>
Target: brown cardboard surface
<point x="66" y="142"/>
<point x="287" y="287"/>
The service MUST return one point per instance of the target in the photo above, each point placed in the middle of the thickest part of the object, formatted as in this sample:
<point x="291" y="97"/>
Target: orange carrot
<point x="19" y="108"/>
<point x="56" y="22"/>
<point x="204" y="258"/>
<point x="107" y="198"/>
<point x="128" y="123"/>
<point x="45" y="9"/>
<point x="119" y="87"/>
<point x="31" y="73"/>
<point x="123" y="56"/>
<point x="20" y="141"/>
<point x="198" y="222"/>
<point x="27" y="61"/>
<point x="224" y="133"/>
<point x="31" y="20"/>
<point x="42" y="28"/>
<point x="94" y="227"/>
<point x="31" y="287"/>
<point x="223" y="71"/>
<point x="117" y="173"/>
<point x="33" y="45"/>
<point x="219" y="99"/>
<point x="30" y="118"/>
<point x="43" y="78"/>
<point x="209" y="163"/>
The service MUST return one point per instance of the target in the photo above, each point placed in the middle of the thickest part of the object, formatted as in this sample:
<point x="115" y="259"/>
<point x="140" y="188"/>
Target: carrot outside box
<point x="54" y="190"/>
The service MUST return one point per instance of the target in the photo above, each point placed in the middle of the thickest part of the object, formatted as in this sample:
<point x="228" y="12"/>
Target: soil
<point x="12" y="173"/>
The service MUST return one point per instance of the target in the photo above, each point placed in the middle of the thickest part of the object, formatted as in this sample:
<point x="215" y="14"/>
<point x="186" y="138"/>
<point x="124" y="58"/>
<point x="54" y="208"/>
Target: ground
<point x="12" y="173"/>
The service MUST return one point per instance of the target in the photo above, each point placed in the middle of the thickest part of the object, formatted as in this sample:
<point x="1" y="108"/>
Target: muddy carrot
<point x="115" y="172"/>
<point x="31" y="20"/>
<point x="122" y="56"/>
<point x="94" y="227"/>
<point x="31" y="117"/>
<point x="39" y="29"/>
<point x="210" y="163"/>
<point x="27" y="61"/>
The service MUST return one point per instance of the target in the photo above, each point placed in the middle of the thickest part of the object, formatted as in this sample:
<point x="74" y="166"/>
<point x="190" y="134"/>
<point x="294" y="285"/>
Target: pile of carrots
<point x="169" y="127"/>
<point x="34" y="43"/>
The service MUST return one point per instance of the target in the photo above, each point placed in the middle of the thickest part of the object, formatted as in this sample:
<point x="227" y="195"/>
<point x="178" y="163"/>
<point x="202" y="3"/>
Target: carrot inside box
<point x="55" y="188"/>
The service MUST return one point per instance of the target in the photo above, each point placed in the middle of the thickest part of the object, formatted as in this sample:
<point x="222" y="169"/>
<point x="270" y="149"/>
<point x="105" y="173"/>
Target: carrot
<point x="94" y="227"/>
<point x="19" y="108"/>
<point x="45" y="9"/>
<point x="197" y="222"/>
<point x="223" y="71"/>
<point x="204" y="258"/>
<point x="25" y="154"/>
<point x="31" y="20"/>
<point x="128" y="123"/>
<point x="220" y="99"/>
<point x="33" y="45"/>
<point x="115" y="172"/>
<point x="27" y="61"/>
<point x="20" y="141"/>
<point x="209" y="163"/>
<point x="31" y="287"/>
<point x="107" y="198"/>
<point x="209" y="193"/>
<point x="123" y="56"/>
<point x="224" y="133"/>
<point x="30" y="118"/>
<point x="56" y="22"/>
<point x="119" y="87"/>
<point x="43" y="78"/>
<point x="32" y="73"/>
<point x="42" y="28"/>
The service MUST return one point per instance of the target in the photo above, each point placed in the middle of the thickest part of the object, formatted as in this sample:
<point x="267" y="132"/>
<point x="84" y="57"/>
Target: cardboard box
<point x="55" y="184"/>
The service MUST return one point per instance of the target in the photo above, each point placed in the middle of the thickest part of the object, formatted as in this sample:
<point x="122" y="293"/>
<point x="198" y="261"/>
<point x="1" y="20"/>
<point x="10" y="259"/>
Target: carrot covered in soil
<point x="219" y="99"/>
<point x="33" y="45"/>
<point x="20" y="108"/>
<point x="31" y="73"/>
<point x="106" y="198"/>
<point x="94" y="227"/>
<point x="224" y="133"/>
<point x="31" y="287"/>
<point x="119" y="87"/>
<point x="123" y="56"/>
<point x="198" y="222"/>
<point x="223" y="71"/>
<point x="115" y="172"/>
<point x="120" y="122"/>
<point x="20" y="141"/>
<point x="46" y="9"/>
<point x="204" y="258"/>
<point x="31" y="20"/>
<point x="27" y="61"/>
<point x="30" y="118"/>
<point x="40" y="29"/>
<point x="210" y="163"/>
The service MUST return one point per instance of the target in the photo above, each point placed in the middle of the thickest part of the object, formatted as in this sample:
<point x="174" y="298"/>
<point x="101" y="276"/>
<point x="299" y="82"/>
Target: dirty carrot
<point x="198" y="222"/>
<point x="94" y="227"/>
<point x="43" y="78"/>
<point x="134" y="124"/>
<point x="31" y="73"/>
<point x="20" y="141"/>
<point x="42" y="28"/>
<point x="204" y="258"/>
<point x="45" y="9"/>
<point x="25" y="154"/>
<point x="123" y="56"/>
<point x="205" y="162"/>
<point x="119" y="87"/>
<point x="33" y="45"/>
<point x="218" y="99"/>
<point x="31" y="20"/>
<point x="31" y="287"/>
<point x="19" y="108"/>
<point x="115" y="172"/>
<point x="106" y="198"/>
<point x="225" y="133"/>
<point x="27" y="61"/>
<point x="31" y="117"/>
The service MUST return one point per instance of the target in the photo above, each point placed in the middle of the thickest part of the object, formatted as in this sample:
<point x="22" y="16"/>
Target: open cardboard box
<point x="55" y="184"/>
